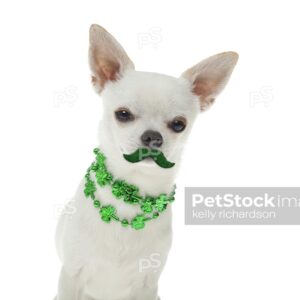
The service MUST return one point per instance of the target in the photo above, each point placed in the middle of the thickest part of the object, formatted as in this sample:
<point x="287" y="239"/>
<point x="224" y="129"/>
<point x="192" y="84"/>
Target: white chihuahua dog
<point x="104" y="244"/>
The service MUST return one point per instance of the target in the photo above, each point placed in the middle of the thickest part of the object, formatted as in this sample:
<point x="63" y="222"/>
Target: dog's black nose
<point x="152" y="138"/>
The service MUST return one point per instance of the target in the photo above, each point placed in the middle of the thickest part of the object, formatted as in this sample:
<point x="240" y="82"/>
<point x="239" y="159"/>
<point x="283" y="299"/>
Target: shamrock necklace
<point x="150" y="206"/>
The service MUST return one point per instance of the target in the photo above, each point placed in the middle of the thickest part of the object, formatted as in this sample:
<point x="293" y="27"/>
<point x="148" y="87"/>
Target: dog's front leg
<point x="69" y="287"/>
<point x="147" y="293"/>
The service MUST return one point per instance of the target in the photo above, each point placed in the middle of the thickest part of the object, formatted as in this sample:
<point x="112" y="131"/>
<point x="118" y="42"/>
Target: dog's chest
<point x="126" y="258"/>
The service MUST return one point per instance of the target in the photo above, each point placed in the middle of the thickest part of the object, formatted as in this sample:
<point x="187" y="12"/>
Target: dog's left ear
<point x="108" y="60"/>
<point x="209" y="77"/>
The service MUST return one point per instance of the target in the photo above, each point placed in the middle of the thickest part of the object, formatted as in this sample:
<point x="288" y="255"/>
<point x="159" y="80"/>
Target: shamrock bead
<point x="130" y="189"/>
<point x="107" y="212"/>
<point x="95" y="167"/>
<point x="100" y="159"/>
<point x="161" y="202"/>
<point x="138" y="222"/>
<point x="103" y="177"/>
<point x="97" y="203"/>
<point x="147" y="207"/>
<point x="128" y="193"/>
<point x="118" y="188"/>
<point x="90" y="188"/>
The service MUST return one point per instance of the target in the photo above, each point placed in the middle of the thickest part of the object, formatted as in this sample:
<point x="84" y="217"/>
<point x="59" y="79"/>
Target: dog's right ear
<point x="107" y="58"/>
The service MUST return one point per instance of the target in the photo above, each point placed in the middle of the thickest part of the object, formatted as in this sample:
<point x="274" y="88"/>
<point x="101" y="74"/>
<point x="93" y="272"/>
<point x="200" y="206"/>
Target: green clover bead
<point x="90" y="188"/>
<point x="126" y="191"/>
<point x="107" y="212"/>
<point x="103" y="177"/>
<point x="100" y="159"/>
<point x="161" y="202"/>
<point x="97" y="203"/>
<point x="130" y="189"/>
<point x="124" y="223"/>
<point x="138" y="222"/>
<point x="147" y="206"/>
<point x="130" y="194"/>
<point x="95" y="166"/>
<point x="117" y="188"/>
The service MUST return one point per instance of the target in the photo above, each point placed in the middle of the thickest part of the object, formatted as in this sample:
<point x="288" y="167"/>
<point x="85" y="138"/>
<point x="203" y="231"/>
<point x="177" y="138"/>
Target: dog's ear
<point x="107" y="58"/>
<point x="209" y="77"/>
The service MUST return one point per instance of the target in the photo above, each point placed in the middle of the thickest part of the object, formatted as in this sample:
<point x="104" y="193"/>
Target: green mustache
<point x="142" y="153"/>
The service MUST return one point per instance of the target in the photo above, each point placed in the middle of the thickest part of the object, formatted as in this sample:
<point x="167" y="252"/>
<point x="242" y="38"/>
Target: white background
<point x="50" y="114"/>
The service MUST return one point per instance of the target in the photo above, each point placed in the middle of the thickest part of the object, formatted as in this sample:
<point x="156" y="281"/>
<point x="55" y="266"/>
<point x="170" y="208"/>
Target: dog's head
<point x="148" y="109"/>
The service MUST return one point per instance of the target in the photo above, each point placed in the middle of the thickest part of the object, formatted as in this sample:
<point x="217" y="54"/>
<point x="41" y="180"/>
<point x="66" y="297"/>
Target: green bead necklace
<point x="150" y="206"/>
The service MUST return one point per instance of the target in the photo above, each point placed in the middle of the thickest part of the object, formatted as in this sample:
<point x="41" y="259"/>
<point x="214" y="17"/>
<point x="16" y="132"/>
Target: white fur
<point x="102" y="261"/>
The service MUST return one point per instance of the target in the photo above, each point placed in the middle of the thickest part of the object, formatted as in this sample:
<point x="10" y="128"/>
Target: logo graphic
<point x="242" y="206"/>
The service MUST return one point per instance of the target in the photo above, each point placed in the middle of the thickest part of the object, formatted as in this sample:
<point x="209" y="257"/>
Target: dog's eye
<point x="178" y="124"/>
<point x="124" y="115"/>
